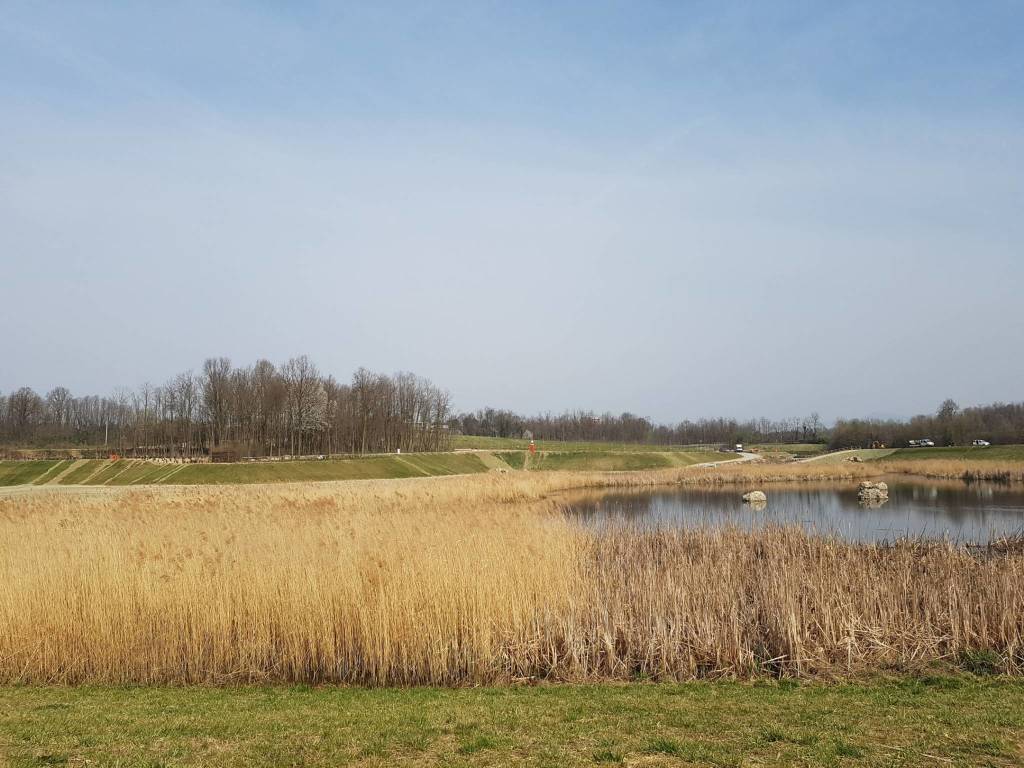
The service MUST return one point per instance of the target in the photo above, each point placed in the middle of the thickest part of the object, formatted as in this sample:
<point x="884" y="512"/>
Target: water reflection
<point x="974" y="512"/>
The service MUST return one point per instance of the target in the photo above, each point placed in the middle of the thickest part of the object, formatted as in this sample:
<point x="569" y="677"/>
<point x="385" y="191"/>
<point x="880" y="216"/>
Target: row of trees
<point x="949" y="425"/>
<point x="292" y="408"/>
<point x="1000" y="423"/>
<point x="257" y="410"/>
<point x="630" y="428"/>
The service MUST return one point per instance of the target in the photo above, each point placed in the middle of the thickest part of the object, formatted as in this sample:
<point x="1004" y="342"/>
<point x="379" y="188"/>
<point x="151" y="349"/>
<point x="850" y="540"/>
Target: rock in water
<point x="873" y="492"/>
<point x="755" y="497"/>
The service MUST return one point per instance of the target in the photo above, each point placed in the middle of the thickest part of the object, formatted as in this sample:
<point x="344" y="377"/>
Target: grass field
<point x="22" y="472"/>
<point x="619" y="461"/>
<point x="998" y="463"/>
<point x="799" y="450"/>
<point x="516" y="444"/>
<point x="515" y="459"/>
<point x="864" y="454"/>
<point x="959" y="721"/>
<point x="83" y="471"/>
<point x="130" y="472"/>
<point x="991" y="453"/>
<point x="370" y="468"/>
<point x="137" y="472"/>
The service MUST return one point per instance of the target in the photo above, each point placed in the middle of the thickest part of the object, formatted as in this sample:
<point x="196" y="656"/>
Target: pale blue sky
<point x="679" y="209"/>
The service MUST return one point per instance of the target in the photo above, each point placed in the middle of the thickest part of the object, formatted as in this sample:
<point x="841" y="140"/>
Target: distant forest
<point x="949" y="425"/>
<point x="293" y="409"/>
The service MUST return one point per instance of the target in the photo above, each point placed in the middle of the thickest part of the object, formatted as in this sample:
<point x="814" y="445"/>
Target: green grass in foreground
<point x="915" y="722"/>
<point x="992" y="453"/>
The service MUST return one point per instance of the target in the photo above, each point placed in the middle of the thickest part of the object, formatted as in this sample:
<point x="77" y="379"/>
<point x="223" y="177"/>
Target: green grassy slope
<point x="516" y="444"/>
<point x="618" y="461"/>
<point x="53" y="471"/>
<point x="992" y="453"/>
<point x="907" y="723"/>
<point x="131" y="472"/>
<point x="799" y="450"/>
<point x="515" y="459"/>
<point x="371" y="468"/>
<point x="143" y="473"/>
<point x="864" y="454"/>
<point x="83" y="471"/>
<point x="22" y="472"/>
<point x="111" y="470"/>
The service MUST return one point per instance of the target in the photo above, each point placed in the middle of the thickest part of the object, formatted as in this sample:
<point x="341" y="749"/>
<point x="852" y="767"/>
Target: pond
<point x="917" y="508"/>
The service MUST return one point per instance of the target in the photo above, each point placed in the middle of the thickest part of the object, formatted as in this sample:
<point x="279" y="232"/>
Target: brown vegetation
<point x="970" y="471"/>
<point x="767" y="472"/>
<point x="466" y="580"/>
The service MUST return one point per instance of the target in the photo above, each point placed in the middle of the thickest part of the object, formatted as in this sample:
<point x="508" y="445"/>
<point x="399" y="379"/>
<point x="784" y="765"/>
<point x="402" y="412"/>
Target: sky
<point x="679" y="209"/>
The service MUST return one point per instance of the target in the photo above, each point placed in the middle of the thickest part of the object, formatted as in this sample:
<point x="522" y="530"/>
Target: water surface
<point x="975" y="512"/>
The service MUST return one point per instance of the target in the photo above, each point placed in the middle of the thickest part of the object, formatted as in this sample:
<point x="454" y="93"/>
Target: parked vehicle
<point x="981" y="443"/>
<point x="924" y="443"/>
<point x="739" y="447"/>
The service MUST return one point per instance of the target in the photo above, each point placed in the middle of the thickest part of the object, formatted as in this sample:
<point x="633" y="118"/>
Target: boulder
<point x="755" y="497"/>
<point x="873" y="492"/>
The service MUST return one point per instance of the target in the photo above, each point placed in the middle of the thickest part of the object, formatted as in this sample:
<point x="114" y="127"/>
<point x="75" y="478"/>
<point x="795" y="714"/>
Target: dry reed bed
<point x="748" y="473"/>
<point x="460" y="581"/>
<point x="970" y="471"/>
<point x="763" y="472"/>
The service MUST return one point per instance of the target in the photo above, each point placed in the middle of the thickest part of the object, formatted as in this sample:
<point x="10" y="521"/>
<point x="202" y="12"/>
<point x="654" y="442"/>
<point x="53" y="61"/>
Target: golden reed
<point x="466" y="580"/>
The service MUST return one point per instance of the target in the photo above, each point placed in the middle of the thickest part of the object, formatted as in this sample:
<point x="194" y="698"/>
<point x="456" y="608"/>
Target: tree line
<point x="999" y="423"/>
<point x="293" y="409"/>
<point x="630" y="428"/>
<point x="223" y="410"/>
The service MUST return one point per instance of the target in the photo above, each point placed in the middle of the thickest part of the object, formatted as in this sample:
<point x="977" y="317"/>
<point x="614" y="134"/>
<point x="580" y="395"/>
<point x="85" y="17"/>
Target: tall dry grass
<point x="970" y="471"/>
<point x="763" y="472"/>
<point x="462" y="580"/>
